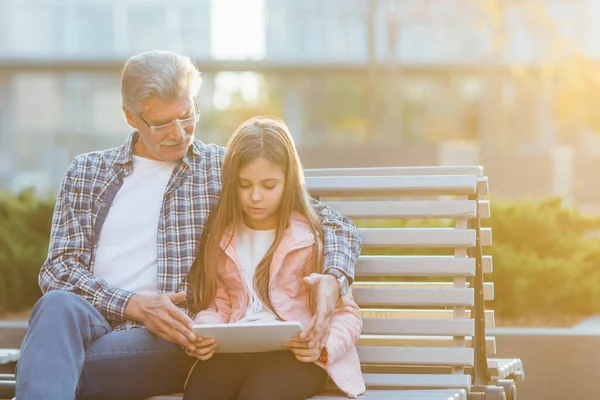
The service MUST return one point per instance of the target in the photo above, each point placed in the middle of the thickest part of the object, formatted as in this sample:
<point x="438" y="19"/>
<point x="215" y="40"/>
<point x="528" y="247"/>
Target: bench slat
<point x="422" y="237"/>
<point x="432" y="394"/>
<point x="510" y="368"/>
<point x="409" y="314"/>
<point x="485" y="209"/>
<point x="7" y="389"/>
<point x="386" y="297"/>
<point x="374" y="265"/>
<point x="423" y="326"/>
<point x="415" y="355"/>
<point x="422" y="341"/>
<point x="360" y="186"/>
<point x="476" y="171"/>
<point x="417" y="381"/>
<point x="483" y="187"/>
<point x="443" y="209"/>
<point x="383" y="171"/>
<point x="488" y="287"/>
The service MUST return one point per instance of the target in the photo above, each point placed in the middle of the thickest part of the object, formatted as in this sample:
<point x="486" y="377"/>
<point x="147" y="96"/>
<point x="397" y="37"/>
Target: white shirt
<point x="251" y="246"/>
<point x="126" y="255"/>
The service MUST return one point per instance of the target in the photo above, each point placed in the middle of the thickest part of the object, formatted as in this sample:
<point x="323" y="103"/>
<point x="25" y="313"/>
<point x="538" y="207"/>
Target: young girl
<point x="260" y="242"/>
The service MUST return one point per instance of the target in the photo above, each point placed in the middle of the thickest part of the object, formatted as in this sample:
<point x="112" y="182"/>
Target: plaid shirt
<point x="86" y="194"/>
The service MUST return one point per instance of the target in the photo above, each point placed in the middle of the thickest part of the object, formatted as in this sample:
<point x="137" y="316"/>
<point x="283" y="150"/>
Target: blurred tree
<point x="559" y="67"/>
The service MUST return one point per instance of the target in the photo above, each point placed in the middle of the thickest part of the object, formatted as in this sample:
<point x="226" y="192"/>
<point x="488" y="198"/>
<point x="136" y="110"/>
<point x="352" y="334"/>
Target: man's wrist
<point x="132" y="309"/>
<point x="341" y="279"/>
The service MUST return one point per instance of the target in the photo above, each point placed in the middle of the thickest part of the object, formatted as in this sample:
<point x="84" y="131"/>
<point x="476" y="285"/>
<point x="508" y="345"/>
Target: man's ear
<point x="130" y="117"/>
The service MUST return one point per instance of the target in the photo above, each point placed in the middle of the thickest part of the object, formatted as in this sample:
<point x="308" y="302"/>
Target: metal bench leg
<point x="510" y="388"/>
<point x="479" y="392"/>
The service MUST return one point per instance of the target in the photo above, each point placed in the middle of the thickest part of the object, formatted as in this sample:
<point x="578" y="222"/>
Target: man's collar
<point x="125" y="152"/>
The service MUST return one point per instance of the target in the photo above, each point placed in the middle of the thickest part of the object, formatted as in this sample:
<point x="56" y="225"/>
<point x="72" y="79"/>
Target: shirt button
<point x="103" y="205"/>
<point x="117" y="181"/>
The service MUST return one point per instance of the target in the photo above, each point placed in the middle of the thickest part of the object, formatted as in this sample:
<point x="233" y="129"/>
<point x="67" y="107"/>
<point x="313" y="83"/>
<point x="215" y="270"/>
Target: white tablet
<point x="251" y="337"/>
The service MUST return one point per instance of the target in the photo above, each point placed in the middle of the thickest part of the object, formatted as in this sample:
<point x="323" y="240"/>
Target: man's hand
<point x="161" y="317"/>
<point x="205" y="348"/>
<point x="326" y="288"/>
<point x="303" y="351"/>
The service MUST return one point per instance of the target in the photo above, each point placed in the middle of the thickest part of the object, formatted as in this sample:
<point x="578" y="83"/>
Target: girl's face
<point x="260" y="189"/>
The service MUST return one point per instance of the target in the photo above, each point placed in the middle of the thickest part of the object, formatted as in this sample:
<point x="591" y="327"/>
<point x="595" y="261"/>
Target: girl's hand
<point x="205" y="348"/>
<point x="326" y="289"/>
<point x="303" y="351"/>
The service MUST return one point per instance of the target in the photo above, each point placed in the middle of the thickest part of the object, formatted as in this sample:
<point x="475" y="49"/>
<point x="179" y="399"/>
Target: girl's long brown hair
<point x="270" y="139"/>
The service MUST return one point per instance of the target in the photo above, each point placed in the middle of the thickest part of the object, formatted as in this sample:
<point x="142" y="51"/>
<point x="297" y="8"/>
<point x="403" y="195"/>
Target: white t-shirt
<point x="126" y="255"/>
<point x="251" y="246"/>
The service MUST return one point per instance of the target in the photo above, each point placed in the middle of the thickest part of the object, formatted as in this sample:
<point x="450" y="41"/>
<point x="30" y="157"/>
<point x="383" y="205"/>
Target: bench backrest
<point x="417" y="305"/>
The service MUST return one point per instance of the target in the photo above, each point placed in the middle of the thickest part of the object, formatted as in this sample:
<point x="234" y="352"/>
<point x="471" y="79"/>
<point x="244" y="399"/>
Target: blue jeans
<point x="70" y="351"/>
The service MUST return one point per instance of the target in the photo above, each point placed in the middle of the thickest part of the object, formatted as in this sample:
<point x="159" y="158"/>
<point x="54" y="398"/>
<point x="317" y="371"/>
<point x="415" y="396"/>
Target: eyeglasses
<point x="184" y="122"/>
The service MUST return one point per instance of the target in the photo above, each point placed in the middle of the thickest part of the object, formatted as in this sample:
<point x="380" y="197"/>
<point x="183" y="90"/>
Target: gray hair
<point x="157" y="73"/>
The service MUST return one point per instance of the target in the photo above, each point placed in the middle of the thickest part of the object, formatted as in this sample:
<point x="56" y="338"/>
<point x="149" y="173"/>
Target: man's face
<point x="169" y="143"/>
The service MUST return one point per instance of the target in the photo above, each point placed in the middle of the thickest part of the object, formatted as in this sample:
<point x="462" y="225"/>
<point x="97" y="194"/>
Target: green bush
<point x="546" y="256"/>
<point x="25" y="222"/>
<point x="546" y="259"/>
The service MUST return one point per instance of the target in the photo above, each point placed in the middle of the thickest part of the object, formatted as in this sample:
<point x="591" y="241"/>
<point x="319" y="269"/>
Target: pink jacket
<point x="289" y="298"/>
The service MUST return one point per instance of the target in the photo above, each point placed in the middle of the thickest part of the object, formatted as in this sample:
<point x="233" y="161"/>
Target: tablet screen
<point x="253" y="337"/>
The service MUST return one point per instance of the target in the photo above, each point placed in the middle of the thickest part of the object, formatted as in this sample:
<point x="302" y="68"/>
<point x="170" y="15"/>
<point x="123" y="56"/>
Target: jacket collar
<point x="297" y="234"/>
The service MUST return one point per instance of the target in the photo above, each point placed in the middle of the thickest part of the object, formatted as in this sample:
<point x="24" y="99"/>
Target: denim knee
<point x="58" y="302"/>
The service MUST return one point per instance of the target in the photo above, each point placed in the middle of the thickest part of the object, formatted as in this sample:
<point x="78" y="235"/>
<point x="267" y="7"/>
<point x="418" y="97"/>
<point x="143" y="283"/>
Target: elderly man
<point x="113" y="321"/>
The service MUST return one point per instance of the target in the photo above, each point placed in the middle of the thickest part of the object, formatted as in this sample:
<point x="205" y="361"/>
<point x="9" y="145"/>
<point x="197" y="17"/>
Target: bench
<point x="425" y="320"/>
<point x="424" y="306"/>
